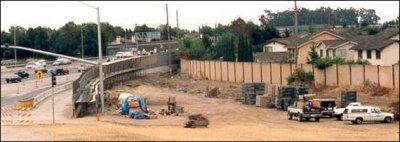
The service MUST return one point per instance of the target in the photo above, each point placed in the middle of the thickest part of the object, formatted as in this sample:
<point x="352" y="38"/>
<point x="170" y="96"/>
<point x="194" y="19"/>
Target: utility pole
<point x="177" y="25"/>
<point x="82" y="40"/>
<point x="15" y="50"/>
<point x="126" y="46"/>
<point x="296" y="50"/>
<point x="168" y="37"/>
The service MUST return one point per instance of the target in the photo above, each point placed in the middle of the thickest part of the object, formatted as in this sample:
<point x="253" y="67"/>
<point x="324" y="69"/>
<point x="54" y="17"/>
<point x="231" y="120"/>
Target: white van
<point x="358" y="115"/>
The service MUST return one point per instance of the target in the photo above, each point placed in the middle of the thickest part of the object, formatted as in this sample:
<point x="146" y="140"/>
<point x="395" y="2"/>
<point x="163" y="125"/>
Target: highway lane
<point x="13" y="100"/>
<point x="73" y="68"/>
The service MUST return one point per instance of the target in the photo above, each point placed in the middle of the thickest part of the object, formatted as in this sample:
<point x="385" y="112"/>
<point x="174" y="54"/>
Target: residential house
<point x="380" y="49"/>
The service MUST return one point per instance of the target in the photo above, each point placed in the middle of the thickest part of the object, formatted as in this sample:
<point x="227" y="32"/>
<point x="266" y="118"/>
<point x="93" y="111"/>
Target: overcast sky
<point x="192" y="14"/>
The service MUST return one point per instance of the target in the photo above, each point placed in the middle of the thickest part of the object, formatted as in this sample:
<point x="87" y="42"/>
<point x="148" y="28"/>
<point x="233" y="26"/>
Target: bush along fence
<point x="277" y="73"/>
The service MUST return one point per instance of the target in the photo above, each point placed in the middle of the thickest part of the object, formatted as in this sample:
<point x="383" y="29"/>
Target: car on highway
<point x="61" y="61"/>
<point x="82" y="68"/>
<point x="62" y="71"/>
<point x="22" y="74"/>
<point x="360" y="114"/>
<point x="32" y="65"/>
<point x="13" y="78"/>
<point x="40" y="68"/>
<point x="42" y="63"/>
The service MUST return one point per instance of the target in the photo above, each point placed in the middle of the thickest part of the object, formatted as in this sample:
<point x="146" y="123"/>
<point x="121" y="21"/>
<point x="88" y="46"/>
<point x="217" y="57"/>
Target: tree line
<point x="233" y="42"/>
<point x="67" y="39"/>
<point x="322" y="15"/>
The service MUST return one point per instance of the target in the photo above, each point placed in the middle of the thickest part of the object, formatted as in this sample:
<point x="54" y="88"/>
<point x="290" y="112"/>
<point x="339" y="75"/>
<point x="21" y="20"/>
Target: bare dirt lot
<point x="229" y="119"/>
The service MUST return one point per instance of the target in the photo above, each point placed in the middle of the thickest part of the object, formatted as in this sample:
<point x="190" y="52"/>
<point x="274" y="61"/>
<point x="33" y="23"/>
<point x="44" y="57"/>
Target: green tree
<point x="225" y="47"/>
<point x="313" y="55"/>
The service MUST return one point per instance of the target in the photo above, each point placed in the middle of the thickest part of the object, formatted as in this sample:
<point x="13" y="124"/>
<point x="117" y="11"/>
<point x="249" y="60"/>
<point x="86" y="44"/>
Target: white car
<point x="62" y="61"/>
<point x="42" y="63"/>
<point x="31" y="65"/>
<point x="358" y="115"/>
<point x="338" y="112"/>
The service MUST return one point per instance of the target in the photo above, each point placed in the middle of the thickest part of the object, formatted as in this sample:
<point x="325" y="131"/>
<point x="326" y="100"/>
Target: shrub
<point x="374" y="89"/>
<point x="301" y="76"/>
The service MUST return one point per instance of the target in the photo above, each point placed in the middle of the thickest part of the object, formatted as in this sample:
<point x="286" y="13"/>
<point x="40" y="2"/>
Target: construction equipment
<point x="173" y="108"/>
<point x="196" y="120"/>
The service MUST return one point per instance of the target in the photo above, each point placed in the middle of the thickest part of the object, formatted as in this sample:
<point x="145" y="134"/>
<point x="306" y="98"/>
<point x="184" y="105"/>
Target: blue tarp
<point x="139" y="115"/>
<point x="125" y="105"/>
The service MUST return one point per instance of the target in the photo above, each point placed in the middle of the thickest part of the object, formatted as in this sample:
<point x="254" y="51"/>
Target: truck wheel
<point x="330" y="115"/>
<point x="354" y="122"/>
<point x="289" y="116"/>
<point x="8" y="81"/>
<point x="339" y="117"/>
<point x="300" y="118"/>
<point x="316" y="119"/>
<point x="307" y="119"/>
<point x="388" y="120"/>
<point x="359" y="121"/>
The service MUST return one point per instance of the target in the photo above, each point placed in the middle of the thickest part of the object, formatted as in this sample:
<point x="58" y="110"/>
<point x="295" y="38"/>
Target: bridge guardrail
<point x="86" y="88"/>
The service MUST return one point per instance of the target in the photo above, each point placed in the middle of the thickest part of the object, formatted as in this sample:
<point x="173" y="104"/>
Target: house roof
<point x="271" y="56"/>
<point x="388" y="33"/>
<point x="333" y="43"/>
<point x="292" y="41"/>
<point x="373" y="44"/>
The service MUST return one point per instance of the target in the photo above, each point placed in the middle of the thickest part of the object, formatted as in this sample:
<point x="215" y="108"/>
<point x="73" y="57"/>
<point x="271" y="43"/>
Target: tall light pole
<point x="15" y="50"/>
<point x="100" y="62"/>
<point x="177" y="25"/>
<point x="169" y="48"/>
<point x="82" y="41"/>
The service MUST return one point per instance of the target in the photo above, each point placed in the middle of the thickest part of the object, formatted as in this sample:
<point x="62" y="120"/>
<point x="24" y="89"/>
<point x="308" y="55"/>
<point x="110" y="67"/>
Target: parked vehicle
<point x="61" y="61"/>
<point x="82" y="68"/>
<point x="358" y="115"/>
<point x="42" y="63"/>
<point x="327" y="106"/>
<point x="338" y="113"/>
<point x="304" y="109"/>
<point x="62" y="71"/>
<point x="40" y="68"/>
<point x="31" y="65"/>
<point x="22" y="74"/>
<point x="13" y="78"/>
<point x="123" y="54"/>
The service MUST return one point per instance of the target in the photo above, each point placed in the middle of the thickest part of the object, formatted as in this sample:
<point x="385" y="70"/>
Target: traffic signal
<point x="53" y="79"/>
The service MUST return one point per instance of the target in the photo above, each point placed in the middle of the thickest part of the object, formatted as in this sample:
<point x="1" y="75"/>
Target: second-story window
<point x="368" y="54"/>
<point x="378" y="54"/>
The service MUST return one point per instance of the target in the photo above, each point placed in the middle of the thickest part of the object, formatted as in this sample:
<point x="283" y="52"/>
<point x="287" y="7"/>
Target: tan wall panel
<point x="231" y="71"/>
<point x="218" y="70"/>
<point x="331" y="78"/>
<point x="385" y="76"/>
<point x="239" y="72"/>
<point x="285" y="73"/>
<point x="396" y="77"/>
<point x="276" y="78"/>
<point x="207" y="68"/>
<point x="257" y="72"/>
<point x="356" y="74"/>
<point x="212" y="70"/>
<point x="266" y="73"/>
<point x="224" y="71"/>
<point x="371" y="73"/>
<point x="319" y="76"/>
<point x="344" y="75"/>
<point x="247" y="72"/>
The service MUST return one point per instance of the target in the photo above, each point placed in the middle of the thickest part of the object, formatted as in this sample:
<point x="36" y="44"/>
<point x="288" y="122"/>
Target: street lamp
<point x="82" y="52"/>
<point x="15" y="50"/>
<point x="100" y="55"/>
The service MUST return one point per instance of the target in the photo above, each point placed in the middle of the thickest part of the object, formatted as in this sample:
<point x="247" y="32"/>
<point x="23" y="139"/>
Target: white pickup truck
<point x="303" y="110"/>
<point x="358" y="115"/>
<point x="338" y="113"/>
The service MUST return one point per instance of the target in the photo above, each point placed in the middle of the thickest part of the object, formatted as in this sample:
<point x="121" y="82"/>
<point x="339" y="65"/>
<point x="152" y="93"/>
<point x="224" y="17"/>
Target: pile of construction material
<point x="348" y="97"/>
<point x="134" y="106"/>
<point x="250" y="91"/>
<point x="288" y="95"/>
<point x="173" y="108"/>
<point x="196" y="120"/>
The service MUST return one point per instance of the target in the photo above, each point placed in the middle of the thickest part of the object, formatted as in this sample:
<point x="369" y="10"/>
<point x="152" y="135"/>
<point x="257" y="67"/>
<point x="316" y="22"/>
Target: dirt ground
<point x="229" y="119"/>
